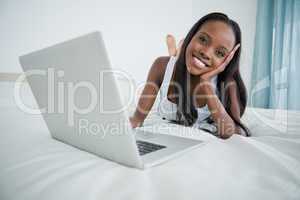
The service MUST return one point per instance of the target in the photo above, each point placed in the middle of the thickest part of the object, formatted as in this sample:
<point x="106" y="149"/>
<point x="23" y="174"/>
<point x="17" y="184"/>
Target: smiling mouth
<point x="198" y="63"/>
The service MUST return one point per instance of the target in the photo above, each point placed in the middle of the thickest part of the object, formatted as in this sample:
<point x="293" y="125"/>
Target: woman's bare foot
<point x="171" y="44"/>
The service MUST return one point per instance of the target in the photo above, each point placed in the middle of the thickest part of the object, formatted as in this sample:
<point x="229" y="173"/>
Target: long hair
<point x="186" y="111"/>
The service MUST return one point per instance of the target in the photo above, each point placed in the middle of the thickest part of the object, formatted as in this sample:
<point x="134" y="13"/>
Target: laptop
<point x="77" y="93"/>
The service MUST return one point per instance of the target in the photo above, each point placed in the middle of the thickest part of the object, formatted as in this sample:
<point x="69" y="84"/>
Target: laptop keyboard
<point x="147" y="147"/>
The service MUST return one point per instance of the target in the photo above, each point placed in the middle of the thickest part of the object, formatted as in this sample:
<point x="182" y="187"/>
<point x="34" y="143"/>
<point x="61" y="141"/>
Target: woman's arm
<point x="148" y="96"/>
<point x="225" y="124"/>
<point x="235" y="106"/>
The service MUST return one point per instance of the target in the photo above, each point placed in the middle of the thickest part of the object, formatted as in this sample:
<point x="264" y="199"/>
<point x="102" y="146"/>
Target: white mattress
<point x="265" y="166"/>
<point x="35" y="166"/>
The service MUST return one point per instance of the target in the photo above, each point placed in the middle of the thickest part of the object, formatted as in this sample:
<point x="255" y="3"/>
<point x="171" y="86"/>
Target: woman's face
<point x="209" y="47"/>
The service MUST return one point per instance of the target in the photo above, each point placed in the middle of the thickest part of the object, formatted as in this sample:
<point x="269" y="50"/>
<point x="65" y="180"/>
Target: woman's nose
<point x="204" y="55"/>
<point x="206" y="52"/>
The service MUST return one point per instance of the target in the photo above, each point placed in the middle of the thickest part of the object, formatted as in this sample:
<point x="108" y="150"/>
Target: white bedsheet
<point x="266" y="166"/>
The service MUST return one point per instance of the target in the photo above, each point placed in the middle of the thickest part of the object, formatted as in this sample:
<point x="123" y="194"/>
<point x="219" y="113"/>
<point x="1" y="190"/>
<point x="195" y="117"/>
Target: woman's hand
<point x="135" y="122"/>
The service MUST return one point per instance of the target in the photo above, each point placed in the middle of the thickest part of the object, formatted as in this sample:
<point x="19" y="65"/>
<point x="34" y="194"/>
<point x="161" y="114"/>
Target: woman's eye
<point x="203" y="40"/>
<point x="220" y="54"/>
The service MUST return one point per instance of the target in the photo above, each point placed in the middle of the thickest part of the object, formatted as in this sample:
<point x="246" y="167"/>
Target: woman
<point x="203" y="83"/>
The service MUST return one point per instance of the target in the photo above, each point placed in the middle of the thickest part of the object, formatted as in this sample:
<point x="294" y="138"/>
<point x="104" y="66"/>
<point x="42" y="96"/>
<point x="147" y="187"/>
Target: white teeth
<point x="198" y="62"/>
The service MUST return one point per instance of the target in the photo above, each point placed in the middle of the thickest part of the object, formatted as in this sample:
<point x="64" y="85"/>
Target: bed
<point x="264" y="166"/>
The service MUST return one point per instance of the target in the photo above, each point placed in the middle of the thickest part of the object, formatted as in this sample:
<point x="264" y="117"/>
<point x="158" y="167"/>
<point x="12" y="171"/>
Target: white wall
<point x="134" y="30"/>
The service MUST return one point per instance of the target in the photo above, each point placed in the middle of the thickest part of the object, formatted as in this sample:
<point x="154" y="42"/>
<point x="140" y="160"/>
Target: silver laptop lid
<point x="77" y="93"/>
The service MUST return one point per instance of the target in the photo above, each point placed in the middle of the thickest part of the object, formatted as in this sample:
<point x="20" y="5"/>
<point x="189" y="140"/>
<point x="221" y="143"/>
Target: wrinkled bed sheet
<point x="265" y="166"/>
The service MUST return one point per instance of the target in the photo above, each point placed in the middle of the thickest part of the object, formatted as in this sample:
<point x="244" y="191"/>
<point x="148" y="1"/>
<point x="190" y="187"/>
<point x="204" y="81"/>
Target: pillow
<point x="271" y="121"/>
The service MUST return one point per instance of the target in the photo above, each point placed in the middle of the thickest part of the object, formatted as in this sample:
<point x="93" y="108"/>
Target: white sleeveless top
<point x="167" y="109"/>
